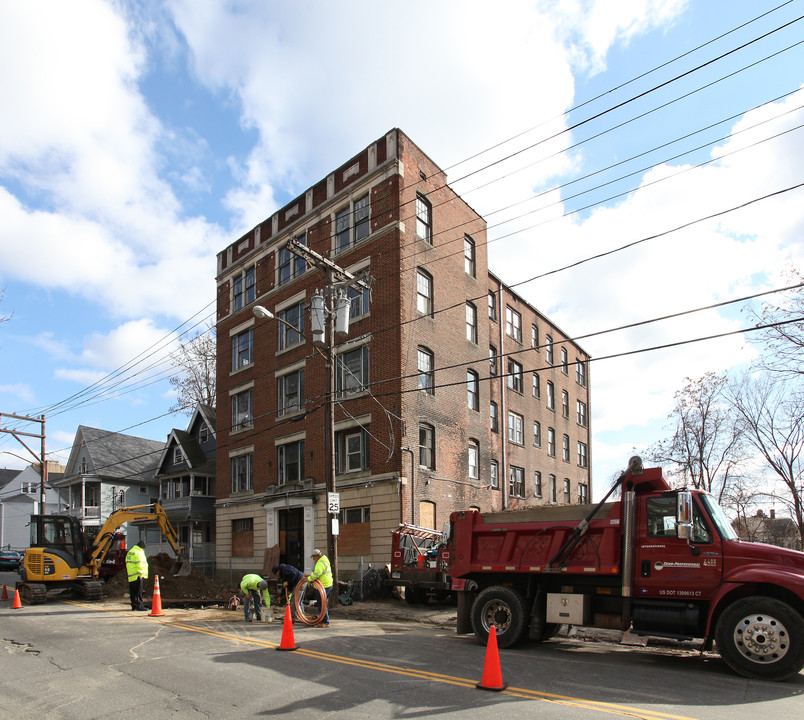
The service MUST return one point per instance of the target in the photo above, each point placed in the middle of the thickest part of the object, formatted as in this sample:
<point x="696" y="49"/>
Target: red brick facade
<point x="378" y="428"/>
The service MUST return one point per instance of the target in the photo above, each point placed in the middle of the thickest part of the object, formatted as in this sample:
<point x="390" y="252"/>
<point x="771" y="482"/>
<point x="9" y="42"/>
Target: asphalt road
<point x="69" y="659"/>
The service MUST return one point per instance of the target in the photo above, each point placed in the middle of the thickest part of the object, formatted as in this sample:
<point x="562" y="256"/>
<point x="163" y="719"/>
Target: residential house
<point x="186" y="476"/>
<point x="20" y="496"/>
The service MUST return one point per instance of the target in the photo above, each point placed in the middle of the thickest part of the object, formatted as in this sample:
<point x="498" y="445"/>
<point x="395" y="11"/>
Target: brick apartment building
<point x="451" y="390"/>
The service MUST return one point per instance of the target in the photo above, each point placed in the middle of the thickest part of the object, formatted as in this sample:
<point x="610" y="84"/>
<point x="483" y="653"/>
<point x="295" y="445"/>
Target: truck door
<point x="668" y="567"/>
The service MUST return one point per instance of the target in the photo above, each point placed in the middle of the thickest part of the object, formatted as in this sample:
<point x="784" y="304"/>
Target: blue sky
<point x="139" y="139"/>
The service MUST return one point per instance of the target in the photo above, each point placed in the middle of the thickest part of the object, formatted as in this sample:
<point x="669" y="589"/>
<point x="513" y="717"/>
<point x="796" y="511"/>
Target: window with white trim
<point x="551" y="395"/>
<point x="565" y="448"/>
<point x="291" y="326"/>
<point x="471" y="323"/>
<point x="516" y="428"/>
<point x="580" y="372"/>
<point x="551" y="442"/>
<point x="424" y="219"/>
<point x="564" y="361"/>
<point x="548" y="349"/>
<point x="516" y="380"/>
<point x="537" y="433"/>
<point x="567" y="491"/>
<point x="534" y="336"/>
<point x="426" y="364"/>
<point x="290" y="392"/>
<point x="352" y="371"/>
<point x="494" y="475"/>
<point x="424" y="292"/>
<point x="493" y="306"/>
<point x="473" y="457"/>
<point x="242" y="349"/>
<point x="469" y="255"/>
<point x="242" y="417"/>
<point x="565" y="403"/>
<point x="537" y="388"/>
<point x="537" y="483"/>
<point x="359" y="298"/>
<point x="516" y="481"/>
<point x="427" y="446"/>
<point x="513" y="323"/>
<point x="494" y="417"/>
<point x="351" y="451"/>
<point x="242" y="473"/>
<point x="583" y="455"/>
<point x="581" y="413"/>
<point x="583" y="493"/>
<point x="290" y="462"/>
<point x="472" y="390"/>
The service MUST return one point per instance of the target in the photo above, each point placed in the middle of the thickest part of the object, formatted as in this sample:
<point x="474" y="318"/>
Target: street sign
<point x="333" y="503"/>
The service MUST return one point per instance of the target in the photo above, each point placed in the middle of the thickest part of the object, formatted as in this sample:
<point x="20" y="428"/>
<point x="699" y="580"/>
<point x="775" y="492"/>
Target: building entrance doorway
<point x="291" y="537"/>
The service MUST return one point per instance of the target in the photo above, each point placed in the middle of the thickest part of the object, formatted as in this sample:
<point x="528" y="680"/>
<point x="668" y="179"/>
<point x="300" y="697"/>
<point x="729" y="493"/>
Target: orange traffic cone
<point x="287" y="642"/>
<point x="492" y="676"/>
<point x="156" y="604"/>
<point x="17" y="602"/>
<point x="5" y="593"/>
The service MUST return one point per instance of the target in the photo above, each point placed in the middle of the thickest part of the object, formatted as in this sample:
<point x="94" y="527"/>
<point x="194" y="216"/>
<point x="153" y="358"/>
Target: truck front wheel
<point x="763" y="638"/>
<point x="504" y="608"/>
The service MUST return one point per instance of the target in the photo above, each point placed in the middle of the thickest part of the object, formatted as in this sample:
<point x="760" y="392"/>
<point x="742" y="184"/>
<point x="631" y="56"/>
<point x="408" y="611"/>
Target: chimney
<point x="773" y="513"/>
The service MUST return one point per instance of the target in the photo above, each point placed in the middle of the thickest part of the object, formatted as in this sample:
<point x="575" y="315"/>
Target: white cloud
<point x="18" y="391"/>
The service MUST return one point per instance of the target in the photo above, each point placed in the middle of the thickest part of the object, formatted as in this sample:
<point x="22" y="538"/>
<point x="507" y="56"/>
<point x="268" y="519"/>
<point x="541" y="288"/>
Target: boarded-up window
<point x="427" y="514"/>
<point x="243" y="537"/>
<point x="355" y="531"/>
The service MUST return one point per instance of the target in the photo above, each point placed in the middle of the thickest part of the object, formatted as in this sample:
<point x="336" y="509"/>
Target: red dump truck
<point x="659" y="562"/>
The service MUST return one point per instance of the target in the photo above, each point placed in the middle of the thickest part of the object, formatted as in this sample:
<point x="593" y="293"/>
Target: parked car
<point x="9" y="560"/>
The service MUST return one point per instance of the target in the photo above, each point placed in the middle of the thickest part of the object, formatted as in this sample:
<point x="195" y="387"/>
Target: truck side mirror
<point x="684" y="515"/>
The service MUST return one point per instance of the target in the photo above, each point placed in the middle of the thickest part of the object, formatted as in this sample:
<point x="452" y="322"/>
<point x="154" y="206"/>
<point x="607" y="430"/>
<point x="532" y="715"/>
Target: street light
<point x="317" y="322"/>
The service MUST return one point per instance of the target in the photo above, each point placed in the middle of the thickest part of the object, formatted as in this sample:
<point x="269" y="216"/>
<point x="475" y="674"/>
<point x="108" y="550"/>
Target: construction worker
<point x="251" y="586"/>
<point x="137" y="569"/>
<point x="323" y="572"/>
<point x="289" y="576"/>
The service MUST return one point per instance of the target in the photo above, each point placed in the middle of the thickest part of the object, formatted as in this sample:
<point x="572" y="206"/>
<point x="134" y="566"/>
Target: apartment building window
<point x="351" y="451"/>
<point x="493" y="307"/>
<point x="583" y="455"/>
<point x="565" y="448"/>
<point x="242" y="476"/>
<point x="537" y="388"/>
<point x="516" y="380"/>
<point x="469" y="255"/>
<point x="358" y="302"/>
<point x="427" y="446"/>
<point x="241" y="410"/>
<point x="567" y="495"/>
<point x="424" y="219"/>
<point x="551" y="395"/>
<point x="361" y="218"/>
<point x="492" y="360"/>
<point x="472" y="390"/>
<point x="516" y="481"/>
<point x="289" y="265"/>
<point x="244" y="288"/>
<point x="516" y="429"/>
<point x="293" y="317"/>
<point x="583" y="493"/>
<point x="552" y="489"/>
<point x="290" y="392"/>
<point x="537" y="483"/>
<point x="290" y="462"/>
<point x="494" y="417"/>
<point x="551" y="442"/>
<point x="548" y="349"/>
<point x="513" y="324"/>
<point x="494" y="475"/>
<point x="580" y="372"/>
<point x="355" y="515"/>
<point x="564" y="361"/>
<point x="426" y="371"/>
<point x="342" y="230"/>
<point x="581" y="413"/>
<point x="565" y="403"/>
<point x="473" y="456"/>
<point x="242" y="349"/>
<point x="534" y="336"/>
<point x="471" y="323"/>
<point x="352" y="371"/>
<point x="537" y="433"/>
<point x="424" y="293"/>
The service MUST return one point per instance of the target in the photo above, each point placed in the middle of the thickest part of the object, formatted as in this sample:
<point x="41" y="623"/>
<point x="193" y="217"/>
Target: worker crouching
<point x="251" y="586"/>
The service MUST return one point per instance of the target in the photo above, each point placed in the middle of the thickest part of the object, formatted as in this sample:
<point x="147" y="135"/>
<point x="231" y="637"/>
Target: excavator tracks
<point x="32" y="593"/>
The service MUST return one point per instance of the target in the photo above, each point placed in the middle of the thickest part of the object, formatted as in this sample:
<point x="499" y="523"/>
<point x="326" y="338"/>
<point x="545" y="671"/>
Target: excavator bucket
<point x="181" y="568"/>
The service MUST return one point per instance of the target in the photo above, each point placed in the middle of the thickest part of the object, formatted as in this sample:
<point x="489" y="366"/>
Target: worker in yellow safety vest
<point x="323" y="572"/>
<point x="137" y="569"/>
<point x="251" y="585"/>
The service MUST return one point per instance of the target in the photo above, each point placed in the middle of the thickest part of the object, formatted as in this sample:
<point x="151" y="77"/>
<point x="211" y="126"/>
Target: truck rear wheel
<point x="763" y="638"/>
<point x="504" y="608"/>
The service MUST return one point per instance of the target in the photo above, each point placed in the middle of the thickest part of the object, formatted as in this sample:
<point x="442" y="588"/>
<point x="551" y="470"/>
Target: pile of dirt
<point x="195" y="586"/>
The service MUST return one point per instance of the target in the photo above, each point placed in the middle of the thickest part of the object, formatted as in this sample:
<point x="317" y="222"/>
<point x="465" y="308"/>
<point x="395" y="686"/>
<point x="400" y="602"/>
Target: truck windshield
<point x="719" y="518"/>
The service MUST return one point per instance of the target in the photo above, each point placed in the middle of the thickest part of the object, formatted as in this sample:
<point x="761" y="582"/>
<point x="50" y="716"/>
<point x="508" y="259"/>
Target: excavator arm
<point x="137" y="514"/>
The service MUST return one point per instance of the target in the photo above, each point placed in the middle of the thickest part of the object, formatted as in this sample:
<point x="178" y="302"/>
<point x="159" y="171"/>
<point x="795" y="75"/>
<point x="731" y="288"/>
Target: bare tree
<point x="706" y="447"/>
<point x="195" y="381"/>
<point x="771" y="417"/>
<point x="784" y="337"/>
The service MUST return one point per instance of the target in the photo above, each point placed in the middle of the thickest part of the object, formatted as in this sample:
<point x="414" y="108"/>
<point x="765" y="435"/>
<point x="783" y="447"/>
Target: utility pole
<point x="329" y="315"/>
<point x="41" y="457"/>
